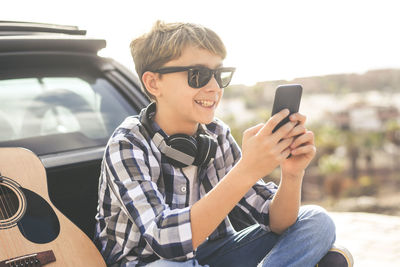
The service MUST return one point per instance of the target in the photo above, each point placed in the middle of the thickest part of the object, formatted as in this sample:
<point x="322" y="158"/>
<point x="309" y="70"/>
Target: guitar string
<point x="18" y="222"/>
<point x="12" y="209"/>
<point x="12" y="206"/>
<point x="3" y="194"/>
<point x="5" y="200"/>
<point x="1" y="199"/>
<point x="2" y="207"/>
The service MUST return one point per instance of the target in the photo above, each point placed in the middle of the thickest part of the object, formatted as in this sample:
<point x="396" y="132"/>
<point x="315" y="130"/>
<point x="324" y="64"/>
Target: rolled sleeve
<point x="257" y="201"/>
<point x="167" y="232"/>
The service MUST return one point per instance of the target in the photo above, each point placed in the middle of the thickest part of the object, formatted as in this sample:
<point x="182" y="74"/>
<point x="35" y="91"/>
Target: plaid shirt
<point x="154" y="220"/>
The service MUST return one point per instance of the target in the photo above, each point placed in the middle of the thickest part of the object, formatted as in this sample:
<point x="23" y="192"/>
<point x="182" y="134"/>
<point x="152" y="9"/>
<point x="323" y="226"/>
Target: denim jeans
<point x="302" y="244"/>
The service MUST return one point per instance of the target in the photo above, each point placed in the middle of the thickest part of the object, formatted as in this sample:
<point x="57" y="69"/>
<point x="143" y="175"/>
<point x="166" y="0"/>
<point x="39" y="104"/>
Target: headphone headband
<point x="172" y="152"/>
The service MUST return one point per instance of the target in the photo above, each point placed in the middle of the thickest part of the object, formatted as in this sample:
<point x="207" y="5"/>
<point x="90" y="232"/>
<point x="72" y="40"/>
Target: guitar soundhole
<point x="12" y="203"/>
<point x="8" y="203"/>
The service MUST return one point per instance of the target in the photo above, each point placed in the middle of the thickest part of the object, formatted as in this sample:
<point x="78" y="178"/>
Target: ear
<point x="150" y="80"/>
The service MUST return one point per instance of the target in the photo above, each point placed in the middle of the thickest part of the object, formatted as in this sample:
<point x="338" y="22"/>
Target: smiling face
<point x="180" y="108"/>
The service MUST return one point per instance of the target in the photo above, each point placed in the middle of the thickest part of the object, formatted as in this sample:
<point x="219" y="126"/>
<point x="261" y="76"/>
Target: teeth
<point x="205" y="103"/>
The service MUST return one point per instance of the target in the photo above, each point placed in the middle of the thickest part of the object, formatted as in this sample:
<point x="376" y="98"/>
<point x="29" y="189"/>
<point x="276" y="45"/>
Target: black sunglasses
<point x="199" y="76"/>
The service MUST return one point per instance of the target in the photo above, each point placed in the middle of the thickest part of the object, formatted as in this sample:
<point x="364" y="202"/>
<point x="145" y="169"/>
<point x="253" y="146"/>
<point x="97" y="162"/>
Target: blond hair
<point x="166" y="41"/>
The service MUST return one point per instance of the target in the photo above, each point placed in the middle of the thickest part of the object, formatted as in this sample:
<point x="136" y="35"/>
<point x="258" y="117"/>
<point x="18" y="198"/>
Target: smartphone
<point x="287" y="96"/>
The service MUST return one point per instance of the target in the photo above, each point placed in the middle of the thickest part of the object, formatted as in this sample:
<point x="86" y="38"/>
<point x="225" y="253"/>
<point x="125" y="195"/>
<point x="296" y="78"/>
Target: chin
<point x="206" y="120"/>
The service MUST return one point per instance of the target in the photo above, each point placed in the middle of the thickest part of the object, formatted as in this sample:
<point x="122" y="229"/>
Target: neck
<point x="170" y="126"/>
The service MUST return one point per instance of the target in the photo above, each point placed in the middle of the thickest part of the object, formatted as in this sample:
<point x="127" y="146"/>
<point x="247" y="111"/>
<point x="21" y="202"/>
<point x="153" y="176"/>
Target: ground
<point x="373" y="239"/>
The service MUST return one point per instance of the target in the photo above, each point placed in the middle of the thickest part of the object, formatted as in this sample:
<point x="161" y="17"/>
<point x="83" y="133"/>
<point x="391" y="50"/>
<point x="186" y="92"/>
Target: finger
<point x="308" y="149"/>
<point x="285" y="153"/>
<point x="304" y="139"/>
<point x="283" y="131"/>
<point x="253" y="130"/>
<point x="274" y="121"/>
<point x="301" y="119"/>
<point x="298" y="130"/>
<point x="284" y="144"/>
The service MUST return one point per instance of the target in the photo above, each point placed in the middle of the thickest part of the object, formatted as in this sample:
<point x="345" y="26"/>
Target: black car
<point x="61" y="100"/>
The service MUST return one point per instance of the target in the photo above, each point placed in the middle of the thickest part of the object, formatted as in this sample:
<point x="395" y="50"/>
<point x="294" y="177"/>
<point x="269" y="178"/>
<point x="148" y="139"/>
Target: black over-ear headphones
<point x="181" y="150"/>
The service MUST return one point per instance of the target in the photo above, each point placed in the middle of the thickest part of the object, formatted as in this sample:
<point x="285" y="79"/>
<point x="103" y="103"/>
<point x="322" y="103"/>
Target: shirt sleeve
<point x="167" y="232"/>
<point x="257" y="200"/>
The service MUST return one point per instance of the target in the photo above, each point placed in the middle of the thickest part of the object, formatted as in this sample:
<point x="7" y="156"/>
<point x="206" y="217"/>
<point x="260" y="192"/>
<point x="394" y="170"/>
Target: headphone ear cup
<point x="207" y="147"/>
<point x="185" y="144"/>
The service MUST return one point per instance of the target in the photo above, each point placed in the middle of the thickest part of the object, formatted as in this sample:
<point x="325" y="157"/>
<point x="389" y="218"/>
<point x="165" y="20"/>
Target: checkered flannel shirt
<point x="156" y="196"/>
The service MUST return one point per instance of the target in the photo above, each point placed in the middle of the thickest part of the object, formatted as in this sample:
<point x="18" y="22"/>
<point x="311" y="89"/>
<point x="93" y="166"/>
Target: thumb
<point x="252" y="130"/>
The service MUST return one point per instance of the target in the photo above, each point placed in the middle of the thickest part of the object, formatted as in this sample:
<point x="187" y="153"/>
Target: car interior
<point x="55" y="113"/>
<point x="7" y="130"/>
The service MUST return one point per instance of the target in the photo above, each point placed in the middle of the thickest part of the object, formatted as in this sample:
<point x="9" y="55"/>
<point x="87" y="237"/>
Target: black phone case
<point x="287" y="96"/>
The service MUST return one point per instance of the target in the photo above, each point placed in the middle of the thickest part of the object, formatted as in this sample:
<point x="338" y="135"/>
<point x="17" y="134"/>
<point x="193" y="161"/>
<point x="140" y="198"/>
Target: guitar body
<point x="29" y="222"/>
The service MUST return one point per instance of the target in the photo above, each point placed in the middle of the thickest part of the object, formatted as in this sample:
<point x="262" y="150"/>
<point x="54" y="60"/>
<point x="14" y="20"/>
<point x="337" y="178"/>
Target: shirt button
<point x="183" y="189"/>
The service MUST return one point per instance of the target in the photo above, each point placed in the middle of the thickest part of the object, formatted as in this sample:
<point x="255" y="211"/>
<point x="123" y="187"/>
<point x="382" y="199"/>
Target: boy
<point x="171" y="175"/>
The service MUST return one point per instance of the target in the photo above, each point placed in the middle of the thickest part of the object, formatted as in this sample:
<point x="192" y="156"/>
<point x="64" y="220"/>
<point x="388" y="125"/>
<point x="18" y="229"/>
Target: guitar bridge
<point x="34" y="259"/>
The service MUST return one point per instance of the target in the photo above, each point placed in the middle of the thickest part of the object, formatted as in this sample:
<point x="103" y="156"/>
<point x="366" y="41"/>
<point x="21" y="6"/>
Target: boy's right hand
<point x="262" y="150"/>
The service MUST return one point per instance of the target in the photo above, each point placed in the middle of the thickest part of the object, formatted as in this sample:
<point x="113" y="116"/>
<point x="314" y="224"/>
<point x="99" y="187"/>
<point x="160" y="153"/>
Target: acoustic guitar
<point x="32" y="231"/>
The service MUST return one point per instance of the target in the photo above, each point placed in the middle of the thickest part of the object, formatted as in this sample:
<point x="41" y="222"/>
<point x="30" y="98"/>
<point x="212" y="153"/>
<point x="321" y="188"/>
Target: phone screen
<point x="287" y="96"/>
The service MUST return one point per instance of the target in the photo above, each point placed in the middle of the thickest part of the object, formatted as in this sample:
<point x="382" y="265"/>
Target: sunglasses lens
<point x="199" y="77"/>
<point x="224" y="78"/>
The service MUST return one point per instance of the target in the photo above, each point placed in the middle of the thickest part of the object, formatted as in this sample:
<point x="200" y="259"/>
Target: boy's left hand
<point x="302" y="149"/>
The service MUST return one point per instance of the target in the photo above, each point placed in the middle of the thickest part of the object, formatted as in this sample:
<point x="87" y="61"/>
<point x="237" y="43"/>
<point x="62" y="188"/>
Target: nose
<point x="212" y="84"/>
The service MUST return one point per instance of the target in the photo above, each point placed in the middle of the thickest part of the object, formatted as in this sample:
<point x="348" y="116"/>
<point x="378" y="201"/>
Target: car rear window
<point x="55" y="113"/>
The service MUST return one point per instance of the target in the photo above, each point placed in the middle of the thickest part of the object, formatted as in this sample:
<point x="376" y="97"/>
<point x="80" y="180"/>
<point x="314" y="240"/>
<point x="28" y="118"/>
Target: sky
<point x="265" y="40"/>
